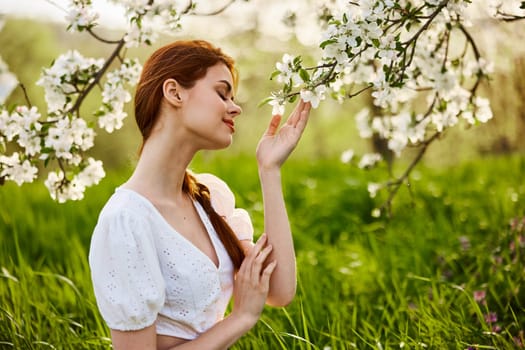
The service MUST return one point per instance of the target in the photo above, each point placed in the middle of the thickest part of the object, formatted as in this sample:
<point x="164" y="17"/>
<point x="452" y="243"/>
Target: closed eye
<point x="222" y="96"/>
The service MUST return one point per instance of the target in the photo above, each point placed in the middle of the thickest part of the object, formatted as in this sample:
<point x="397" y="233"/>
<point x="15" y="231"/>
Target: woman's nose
<point x="234" y="109"/>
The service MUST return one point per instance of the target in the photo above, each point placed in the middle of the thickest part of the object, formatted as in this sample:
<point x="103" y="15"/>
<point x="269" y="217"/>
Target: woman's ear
<point x="172" y="92"/>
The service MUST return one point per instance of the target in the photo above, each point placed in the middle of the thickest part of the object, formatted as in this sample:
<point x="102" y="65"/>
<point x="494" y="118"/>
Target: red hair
<point x="186" y="62"/>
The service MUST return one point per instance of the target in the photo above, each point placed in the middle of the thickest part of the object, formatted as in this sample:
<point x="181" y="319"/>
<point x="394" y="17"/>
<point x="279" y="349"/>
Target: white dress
<point x="145" y="272"/>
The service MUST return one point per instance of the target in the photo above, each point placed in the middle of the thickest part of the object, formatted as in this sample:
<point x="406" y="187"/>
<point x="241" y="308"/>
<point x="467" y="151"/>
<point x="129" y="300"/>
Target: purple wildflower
<point x="479" y="295"/>
<point x="491" y="317"/>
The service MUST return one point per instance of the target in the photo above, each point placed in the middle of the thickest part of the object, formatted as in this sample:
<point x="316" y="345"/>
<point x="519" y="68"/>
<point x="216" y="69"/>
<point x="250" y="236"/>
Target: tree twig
<point x="216" y="12"/>
<point x="394" y="185"/>
<point x="26" y="96"/>
<point x="99" y="75"/>
<point x="99" y="38"/>
<point x="427" y="23"/>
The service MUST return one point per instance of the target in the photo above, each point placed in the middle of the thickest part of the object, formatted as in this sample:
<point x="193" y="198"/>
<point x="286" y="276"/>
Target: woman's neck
<point x="159" y="173"/>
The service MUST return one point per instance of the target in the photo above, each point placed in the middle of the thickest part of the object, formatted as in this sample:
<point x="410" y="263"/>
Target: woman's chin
<point x="220" y="144"/>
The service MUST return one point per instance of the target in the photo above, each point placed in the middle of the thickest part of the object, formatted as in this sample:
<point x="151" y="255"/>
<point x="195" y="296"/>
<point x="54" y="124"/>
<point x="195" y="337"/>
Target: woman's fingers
<point x="267" y="273"/>
<point x="247" y="264"/>
<point x="294" y="116"/>
<point x="274" y="125"/>
<point x="303" y="118"/>
<point x="258" y="264"/>
<point x="253" y="265"/>
<point x="299" y="113"/>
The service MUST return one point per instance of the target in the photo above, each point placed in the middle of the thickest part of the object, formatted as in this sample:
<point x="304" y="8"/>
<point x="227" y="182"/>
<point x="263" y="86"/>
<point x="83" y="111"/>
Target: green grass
<point x="364" y="283"/>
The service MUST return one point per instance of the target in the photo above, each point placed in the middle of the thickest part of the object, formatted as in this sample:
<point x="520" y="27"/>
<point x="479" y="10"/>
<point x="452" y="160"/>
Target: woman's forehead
<point x="220" y="73"/>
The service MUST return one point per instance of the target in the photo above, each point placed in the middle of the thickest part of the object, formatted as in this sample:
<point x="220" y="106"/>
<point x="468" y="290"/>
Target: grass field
<point x="447" y="271"/>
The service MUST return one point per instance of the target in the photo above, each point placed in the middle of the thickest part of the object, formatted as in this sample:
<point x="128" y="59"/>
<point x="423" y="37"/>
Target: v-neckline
<point x="203" y="218"/>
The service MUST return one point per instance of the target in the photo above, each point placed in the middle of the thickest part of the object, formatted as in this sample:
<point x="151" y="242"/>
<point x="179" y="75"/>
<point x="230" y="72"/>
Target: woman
<point x="169" y="248"/>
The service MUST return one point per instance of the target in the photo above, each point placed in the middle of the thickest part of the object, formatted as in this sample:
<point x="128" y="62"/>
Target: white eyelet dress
<point x="145" y="272"/>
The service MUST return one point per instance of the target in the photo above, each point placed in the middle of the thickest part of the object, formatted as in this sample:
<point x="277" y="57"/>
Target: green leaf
<point x="304" y="75"/>
<point x="297" y="61"/>
<point x="326" y="43"/>
<point x="274" y="74"/>
<point x="264" y="101"/>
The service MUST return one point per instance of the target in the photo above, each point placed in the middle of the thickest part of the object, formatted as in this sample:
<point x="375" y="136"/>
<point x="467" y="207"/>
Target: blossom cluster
<point x="63" y="139"/>
<point x="146" y="19"/>
<point x="402" y="52"/>
<point x="63" y="135"/>
<point x="115" y="95"/>
<point x="149" y="18"/>
<point x="81" y="15"/>
<point x="67" y="79"/>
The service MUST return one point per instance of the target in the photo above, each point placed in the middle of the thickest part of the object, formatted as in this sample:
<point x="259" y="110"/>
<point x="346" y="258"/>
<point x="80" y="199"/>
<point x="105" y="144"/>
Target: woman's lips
<point x="230" y="124"/>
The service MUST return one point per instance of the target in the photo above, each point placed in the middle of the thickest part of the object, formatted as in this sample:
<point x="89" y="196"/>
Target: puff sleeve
<point x="223" y="201"/>
<point x="127" y="279"/>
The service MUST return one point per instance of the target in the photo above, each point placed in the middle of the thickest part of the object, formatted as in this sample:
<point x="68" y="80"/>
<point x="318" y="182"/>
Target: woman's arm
<point x="221" y="336"/>
<point x="273" y="150"/>
<point x="250" y="291"/>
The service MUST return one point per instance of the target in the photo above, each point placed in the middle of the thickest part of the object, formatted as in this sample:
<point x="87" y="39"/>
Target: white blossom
<point x="347" y="156"/>
<point x="397" y="142"/>
<point x="369" y="160"/>
<point x="30" y="141"/>
<point x="483" y="111"/>
<point x="112" y="120"/>
<point x="60" y="138"/>
<point x="18" y="170"/>
<point x="65" y="79"/>
<point x="314" y="96"/>
<point x="92" y="173"/>
<point x="81" y="15"/>
<point x="8" y="81"/>
<point x="287" y="73"/>
<point x="61" y="190"/>
<point x="277" y="106"/>
<point x="363" y="123"/>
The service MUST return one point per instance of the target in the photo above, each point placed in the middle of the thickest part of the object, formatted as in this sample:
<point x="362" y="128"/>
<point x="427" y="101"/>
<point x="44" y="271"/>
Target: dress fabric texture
<point x="145" y="272"/>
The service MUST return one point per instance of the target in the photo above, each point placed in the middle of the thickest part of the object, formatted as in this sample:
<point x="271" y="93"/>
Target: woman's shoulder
<point x="221" y="196"/>
<point x="223" y="201"/>
<point x="125" y="205"/>
<point x="124" y="199"/>
<point x="213" y="182"/>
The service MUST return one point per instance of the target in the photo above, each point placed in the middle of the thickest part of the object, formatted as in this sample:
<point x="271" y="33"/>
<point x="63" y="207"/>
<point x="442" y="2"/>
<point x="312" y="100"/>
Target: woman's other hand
<point x="278" y="143"/>
<point x="252" y="282"/>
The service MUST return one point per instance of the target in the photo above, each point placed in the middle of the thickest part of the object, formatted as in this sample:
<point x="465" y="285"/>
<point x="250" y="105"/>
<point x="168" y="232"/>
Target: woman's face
<point x="210" y="110"/>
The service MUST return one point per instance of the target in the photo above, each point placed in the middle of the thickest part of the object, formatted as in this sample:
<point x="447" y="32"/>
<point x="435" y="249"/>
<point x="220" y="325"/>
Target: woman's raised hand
<point x="252" y="282"/>
<point x="278" y="143"/>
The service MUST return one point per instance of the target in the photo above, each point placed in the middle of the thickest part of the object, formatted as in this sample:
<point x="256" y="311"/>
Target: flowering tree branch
<point x="401" y="51"/>
<point x="99" y="74"/>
